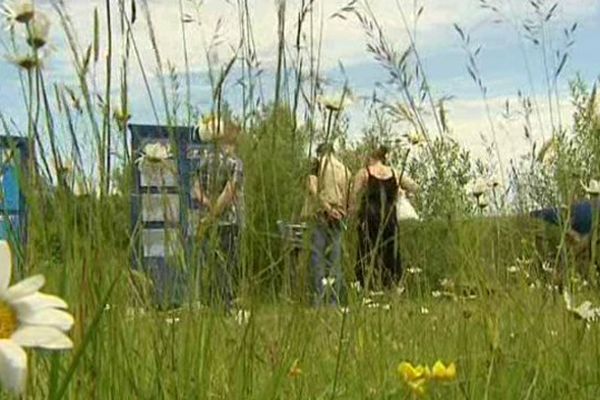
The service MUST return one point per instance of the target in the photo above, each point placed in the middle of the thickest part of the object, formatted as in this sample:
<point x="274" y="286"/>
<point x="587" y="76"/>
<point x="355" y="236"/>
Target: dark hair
<point x="380" y="153"/>
<point x="324" y="148"/>
<point x="314" y="166"/>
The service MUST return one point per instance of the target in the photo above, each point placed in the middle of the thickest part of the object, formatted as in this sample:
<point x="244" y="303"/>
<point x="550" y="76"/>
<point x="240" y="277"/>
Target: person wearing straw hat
<point x="217" y="190"/>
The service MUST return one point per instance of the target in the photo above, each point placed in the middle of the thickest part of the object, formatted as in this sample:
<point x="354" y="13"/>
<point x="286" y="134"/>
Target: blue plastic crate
<point x="161" y="205"/>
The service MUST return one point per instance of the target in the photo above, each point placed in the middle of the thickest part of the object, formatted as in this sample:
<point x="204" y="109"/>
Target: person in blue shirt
<point x="580" y="221"/>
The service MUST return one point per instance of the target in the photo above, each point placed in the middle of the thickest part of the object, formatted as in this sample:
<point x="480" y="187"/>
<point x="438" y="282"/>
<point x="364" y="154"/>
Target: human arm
<point x="199" y="194"/>
<point x="359" y="183"/>
<point x="407" y="184"/>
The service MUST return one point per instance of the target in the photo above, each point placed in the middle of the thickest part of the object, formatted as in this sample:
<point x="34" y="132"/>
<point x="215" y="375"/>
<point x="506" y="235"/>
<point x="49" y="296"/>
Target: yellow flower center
<point x="8" y="321"/>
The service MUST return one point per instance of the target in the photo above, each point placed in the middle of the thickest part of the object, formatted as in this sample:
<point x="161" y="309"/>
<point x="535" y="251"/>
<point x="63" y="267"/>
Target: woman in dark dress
<point x="376" y="189"/>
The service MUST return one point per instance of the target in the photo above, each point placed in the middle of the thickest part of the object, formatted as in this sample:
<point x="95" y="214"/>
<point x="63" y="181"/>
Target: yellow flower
<point x="411" y="374"/>
<point x="295" y="370"/>
<point x="417" y="387"/>
<point x="442" y="373"/>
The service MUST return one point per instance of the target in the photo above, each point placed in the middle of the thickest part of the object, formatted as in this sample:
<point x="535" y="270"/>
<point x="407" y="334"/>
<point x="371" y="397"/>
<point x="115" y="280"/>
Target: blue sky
<point x="501" y="59"/>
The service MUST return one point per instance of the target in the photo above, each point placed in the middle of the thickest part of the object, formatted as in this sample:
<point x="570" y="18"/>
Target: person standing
<point x="328" y="187"/>
<point x="218" y="191"/>
<point x="375" y="193"/>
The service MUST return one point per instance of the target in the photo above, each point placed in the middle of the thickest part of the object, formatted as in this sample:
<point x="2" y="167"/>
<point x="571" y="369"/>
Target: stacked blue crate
<point x="161" y="207"/>
<point x="14" y="157"/>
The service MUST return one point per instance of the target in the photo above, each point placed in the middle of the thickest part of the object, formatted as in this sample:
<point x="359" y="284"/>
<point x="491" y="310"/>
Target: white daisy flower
<point x="479" y="188"/>
<point x="436" y="294"/>
<point x="424" y="310"/>
<point x="155" y="153"/>
<point x="546" y="267"/>
<point x="356" y="286"/>
<point x="172" y="320"/>
<point x="38" y="31"/>
<point x="482" y="202"/>
<point x="513" y="269"/>
<point x="336" y="102"/>
<point x="414" y="271"/>
<point x="584" y="311"/>
<point x="328" y="282"/>
<point x="28" y="318"/>
<point x="17" y="12"/>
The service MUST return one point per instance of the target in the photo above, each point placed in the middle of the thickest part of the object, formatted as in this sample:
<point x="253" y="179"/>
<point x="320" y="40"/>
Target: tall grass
<point x="484" y="292"/>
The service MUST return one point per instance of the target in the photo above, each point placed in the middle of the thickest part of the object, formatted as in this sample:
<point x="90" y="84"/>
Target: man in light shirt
<point x="328" y="187"/>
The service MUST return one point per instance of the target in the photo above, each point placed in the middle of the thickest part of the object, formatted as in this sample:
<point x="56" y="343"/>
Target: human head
<point x="379" y="154"/>
<point x="324" y="149"/>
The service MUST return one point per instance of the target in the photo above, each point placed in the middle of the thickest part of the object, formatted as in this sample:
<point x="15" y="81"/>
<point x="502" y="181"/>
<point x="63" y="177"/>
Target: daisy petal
<point x="5" y="265"/>
<point x="37" y="301"/>
<point x="43" y="337"/>
<point x="13" y="366"/>
<point x="49" y="317"/>
<point x="25" y="288"/>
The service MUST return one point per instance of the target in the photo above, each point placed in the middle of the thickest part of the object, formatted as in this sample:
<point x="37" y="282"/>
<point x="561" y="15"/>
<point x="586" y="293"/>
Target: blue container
<point x="14" y="161"/>
<point x="160" y="207"/>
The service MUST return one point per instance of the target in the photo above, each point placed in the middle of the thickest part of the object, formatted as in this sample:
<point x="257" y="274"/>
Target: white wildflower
<point x="584" y="311"/>
<point x="546" y="267"/>
<point x="424" y="310"/>
<point x="28" y="318"/>
<point x="242" y="317"/>
<point x="328" y="282"/>
<point x="436" y="294"/>
<point x="17" y="12"/>
<point x="336" y="102"/>
<point x="38" y="30"/>
<point x="513" y="269"/>
<point x="414" y="271"/>
<point x="479" y="188"/>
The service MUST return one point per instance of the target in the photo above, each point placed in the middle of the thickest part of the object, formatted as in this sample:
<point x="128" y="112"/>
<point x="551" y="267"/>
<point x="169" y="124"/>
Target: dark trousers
<point x="219" y="263"/>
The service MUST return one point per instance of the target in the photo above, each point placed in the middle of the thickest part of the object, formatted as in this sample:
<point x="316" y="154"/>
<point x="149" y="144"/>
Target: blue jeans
<point x="326" y="262"/>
